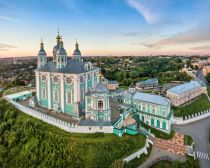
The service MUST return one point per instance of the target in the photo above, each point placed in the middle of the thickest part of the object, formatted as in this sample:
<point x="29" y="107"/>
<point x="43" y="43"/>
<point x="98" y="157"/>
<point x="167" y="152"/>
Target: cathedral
<point x="69" y="85"/>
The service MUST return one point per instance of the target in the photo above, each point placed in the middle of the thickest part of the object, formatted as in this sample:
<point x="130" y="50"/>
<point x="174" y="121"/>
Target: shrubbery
<point x="29" y="142"/>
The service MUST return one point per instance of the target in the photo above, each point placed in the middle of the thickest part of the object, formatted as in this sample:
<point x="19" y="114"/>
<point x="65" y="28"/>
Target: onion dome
<point x="42" y="51"/>
<point x="76" y="51"/>
<point x="61" y="51"/>
<point x="56" y="47"/>
<point x="101" y="88"/>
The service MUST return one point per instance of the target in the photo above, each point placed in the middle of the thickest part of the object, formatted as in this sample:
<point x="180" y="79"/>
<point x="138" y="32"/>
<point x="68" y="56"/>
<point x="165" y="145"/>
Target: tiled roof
<point x="112" y="82"/>
<point x="152" y="81"/>
<point x="184" y="87"/>
<point x="156" y="99"/>
<point x="73" y="67"/>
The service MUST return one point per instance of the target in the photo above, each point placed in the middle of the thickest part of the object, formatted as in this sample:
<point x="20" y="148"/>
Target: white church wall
<point x="69" y="127"/>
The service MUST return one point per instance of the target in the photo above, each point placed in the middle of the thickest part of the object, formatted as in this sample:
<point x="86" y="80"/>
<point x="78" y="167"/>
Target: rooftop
<point x="184" y="87"/>
<point x="151" y="81"/>
<point x="156" y="99"/>
<point x="112" y="82"/>
<point x="74" y="67"/>
<point x="19" y="94"/>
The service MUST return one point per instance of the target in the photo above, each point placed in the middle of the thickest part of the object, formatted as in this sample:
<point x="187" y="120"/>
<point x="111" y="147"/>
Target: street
<point x="199" y="131"/>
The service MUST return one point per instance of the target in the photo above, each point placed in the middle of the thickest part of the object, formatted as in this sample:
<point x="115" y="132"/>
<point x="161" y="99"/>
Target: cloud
<point x="8" y="13"/>
<point x="197" y="35"/>
<point x="131" y="34"/>
<point x="6" y="47"/>
<point x="201" y="48"/>
<point x="150" y="10"/>
<point x="9" y="19"/>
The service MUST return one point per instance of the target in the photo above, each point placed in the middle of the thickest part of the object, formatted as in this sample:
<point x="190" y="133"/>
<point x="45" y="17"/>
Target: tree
<point x="208" y="78"/>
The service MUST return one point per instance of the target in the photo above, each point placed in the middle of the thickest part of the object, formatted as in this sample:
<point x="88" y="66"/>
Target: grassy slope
<point x="198" y="105"/>
<point x="28" y="142"/>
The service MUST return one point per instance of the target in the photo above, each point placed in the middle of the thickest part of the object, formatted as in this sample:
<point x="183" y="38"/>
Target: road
<point x="199" y="75"/>
<point x="199" y="131"/>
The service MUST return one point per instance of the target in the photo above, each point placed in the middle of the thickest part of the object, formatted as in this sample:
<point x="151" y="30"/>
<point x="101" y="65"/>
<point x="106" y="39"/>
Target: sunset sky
<point x="106" y="27"/>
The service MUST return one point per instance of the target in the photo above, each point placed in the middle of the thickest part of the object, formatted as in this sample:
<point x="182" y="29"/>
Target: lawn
<point x="198" y="105"/>
<point x="28" y="142"/>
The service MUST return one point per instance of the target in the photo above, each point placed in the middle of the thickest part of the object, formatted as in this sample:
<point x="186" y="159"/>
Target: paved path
<point x="174" y="145"/>
<point x="199" y="75"/>
<point x="199" y="131"/>
<point x="158" y="153"/>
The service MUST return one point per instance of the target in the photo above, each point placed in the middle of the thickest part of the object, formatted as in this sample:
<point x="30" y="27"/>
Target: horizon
<point x="104" y="28"/>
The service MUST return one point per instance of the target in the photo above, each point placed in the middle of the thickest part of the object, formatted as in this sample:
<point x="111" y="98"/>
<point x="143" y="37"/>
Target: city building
<point x="61" y="85"/>
<point x="189" y="71"/>
<point x="112" y="85"/>
<point x="153" y="110"/>
<point x="184" y="93"/>
<point x="147" y="84"/>
<point x="206" y="70"/>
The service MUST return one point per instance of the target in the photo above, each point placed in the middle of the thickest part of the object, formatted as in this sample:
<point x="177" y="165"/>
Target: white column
<point x="86" y="83"/>
<point x="37" y="86"/>
<point x="78" y="89"/>
<point x="108" y="104"/>
<point x="75" y="89"/>
<point x="49" y="91"/>
<point x="92" y="78"/>
<point x="62" y="94"/>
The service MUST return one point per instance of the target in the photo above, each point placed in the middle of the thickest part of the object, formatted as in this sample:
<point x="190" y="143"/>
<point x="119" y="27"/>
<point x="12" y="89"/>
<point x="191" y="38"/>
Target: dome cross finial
<point x="41" y="44"/>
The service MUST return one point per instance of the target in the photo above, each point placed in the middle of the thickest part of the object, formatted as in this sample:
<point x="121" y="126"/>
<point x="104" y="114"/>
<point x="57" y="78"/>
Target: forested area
<point x="29" y="142"/>
<point x="135" y="69"/>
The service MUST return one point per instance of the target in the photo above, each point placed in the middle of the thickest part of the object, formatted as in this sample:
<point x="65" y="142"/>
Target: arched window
<point x="44" y="93"/>
<point x="56" y="96"/>
<point x="68" y="97"/>
<point x="100" y="104"/>
<point x="153" y="108"/>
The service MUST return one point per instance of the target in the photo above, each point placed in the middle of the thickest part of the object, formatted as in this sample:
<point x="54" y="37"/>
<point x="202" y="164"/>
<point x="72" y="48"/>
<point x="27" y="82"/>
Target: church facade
<point x="61" y="85"/>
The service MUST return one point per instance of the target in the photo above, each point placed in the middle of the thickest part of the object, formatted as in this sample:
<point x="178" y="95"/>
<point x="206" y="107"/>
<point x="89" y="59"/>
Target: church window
<point x="81" y="79"/>
<point x="88" y="76"/>
<point x="100" y="104"/>
<point x="163" y="112"/>
<point x="56" y="96"/>
<point x="55" y="79"/>
<point x="68" y="97"/>
<point x="95" y="74"/>
<point x="44" y="93"/>
<point x="143" y="107"/>
<point x="153" y="108"/>
<point x="68" y="80"/>
<point x="43" y="78"/>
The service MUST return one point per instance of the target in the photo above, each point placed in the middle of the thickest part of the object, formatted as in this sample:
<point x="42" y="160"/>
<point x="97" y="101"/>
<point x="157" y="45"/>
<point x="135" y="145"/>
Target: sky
<point x="106" y="27"/>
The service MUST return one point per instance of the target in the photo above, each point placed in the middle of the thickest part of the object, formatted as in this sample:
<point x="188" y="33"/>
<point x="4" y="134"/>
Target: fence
<point x="139" y="152"/>
<point x="191" y="118"/>
<point x="69" y="127"/>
